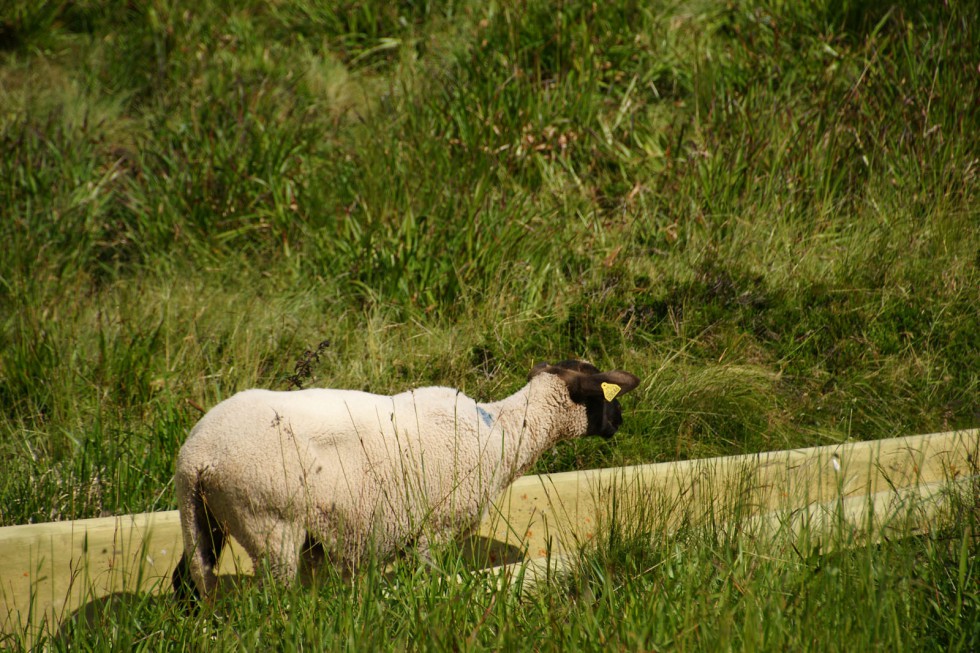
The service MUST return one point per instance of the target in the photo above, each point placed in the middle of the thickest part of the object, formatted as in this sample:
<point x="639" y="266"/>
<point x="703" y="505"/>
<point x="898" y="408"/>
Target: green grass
<point x="769" y="212"/>
<point x="640" y="586"/>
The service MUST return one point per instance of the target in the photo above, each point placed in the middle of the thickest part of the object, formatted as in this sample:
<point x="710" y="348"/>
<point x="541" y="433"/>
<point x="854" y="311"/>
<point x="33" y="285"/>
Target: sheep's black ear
<point x="585" y="380"/>
<point x="538" y="369"/>
<point x="607" y="385"/>
<point x="560" y="368"/>
<point x="584" y="367"/>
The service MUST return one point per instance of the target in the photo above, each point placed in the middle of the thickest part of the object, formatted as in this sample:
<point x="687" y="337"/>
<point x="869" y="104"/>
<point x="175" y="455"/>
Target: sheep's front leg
<point x="424" y="548"/>
<point x="428" y="542"/>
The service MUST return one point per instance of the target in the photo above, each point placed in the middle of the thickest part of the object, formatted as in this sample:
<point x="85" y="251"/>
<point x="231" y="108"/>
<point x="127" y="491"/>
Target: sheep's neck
<point x="528" y="423"/>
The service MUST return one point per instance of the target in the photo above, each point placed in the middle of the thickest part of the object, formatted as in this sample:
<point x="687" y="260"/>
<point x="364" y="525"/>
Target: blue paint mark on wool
<point x="485" y="416"/>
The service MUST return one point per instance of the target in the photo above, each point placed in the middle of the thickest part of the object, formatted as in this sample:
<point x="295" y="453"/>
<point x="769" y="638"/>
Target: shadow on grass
<point x="104" y="614"/>
<point x="479" y="552"/>
<point x="98" y="613"/>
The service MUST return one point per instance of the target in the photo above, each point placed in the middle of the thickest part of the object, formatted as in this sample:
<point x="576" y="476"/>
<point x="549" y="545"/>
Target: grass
<point x="640" y="586"/>
<point x="768" y="212"/>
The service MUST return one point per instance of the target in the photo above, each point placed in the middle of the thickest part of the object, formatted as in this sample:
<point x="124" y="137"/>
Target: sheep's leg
<point x="204" y="561"/>
<point x="427" y="541"/>
<point x="276" y="543"/>
<point x="203" y="540"/>
<point x="311" y="558"/>
<point x="423" y="546"/>
<point x="438" y="537"/>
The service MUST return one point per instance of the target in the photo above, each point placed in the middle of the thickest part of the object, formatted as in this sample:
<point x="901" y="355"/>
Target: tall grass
<point x="768" y="211"/>
<point x="639" y="585"/>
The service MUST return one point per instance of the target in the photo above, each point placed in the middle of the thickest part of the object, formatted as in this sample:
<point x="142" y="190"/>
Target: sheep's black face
<point x="595" y="390"/>
<point x="605" y="417"/>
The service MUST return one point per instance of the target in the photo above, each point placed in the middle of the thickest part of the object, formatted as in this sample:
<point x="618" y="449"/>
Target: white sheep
<point x="299" y="477"/>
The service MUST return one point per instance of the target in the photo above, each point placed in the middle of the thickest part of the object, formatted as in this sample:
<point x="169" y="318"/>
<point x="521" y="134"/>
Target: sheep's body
<point x="356" y="473"/>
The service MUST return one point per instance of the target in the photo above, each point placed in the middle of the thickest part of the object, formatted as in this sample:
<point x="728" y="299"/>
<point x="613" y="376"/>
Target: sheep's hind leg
<point x="203" y="539"/>
<point x="276" y="545"/>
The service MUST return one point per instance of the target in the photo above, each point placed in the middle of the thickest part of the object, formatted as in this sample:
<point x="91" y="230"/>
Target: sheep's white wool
<point x="359" y="473"/>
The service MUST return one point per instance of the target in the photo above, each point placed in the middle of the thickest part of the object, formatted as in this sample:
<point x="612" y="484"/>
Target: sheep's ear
<point x="584" y="379"/>
<point x="585" y="367"/>
<point x="538" y="369"/>
<point x="608" y="385"/>
<point x="562" y="368"/>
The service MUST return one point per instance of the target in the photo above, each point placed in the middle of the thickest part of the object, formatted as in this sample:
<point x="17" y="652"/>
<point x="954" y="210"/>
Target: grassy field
<point x="769" y="212"/>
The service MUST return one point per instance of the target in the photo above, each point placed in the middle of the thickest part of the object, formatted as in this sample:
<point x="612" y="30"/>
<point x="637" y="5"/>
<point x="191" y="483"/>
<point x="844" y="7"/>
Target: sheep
<point x="340" y="475"/>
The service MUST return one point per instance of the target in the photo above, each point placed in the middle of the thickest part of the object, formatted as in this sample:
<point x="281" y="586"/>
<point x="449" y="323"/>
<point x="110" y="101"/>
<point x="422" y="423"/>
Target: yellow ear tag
<point x="610" y="390"/>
